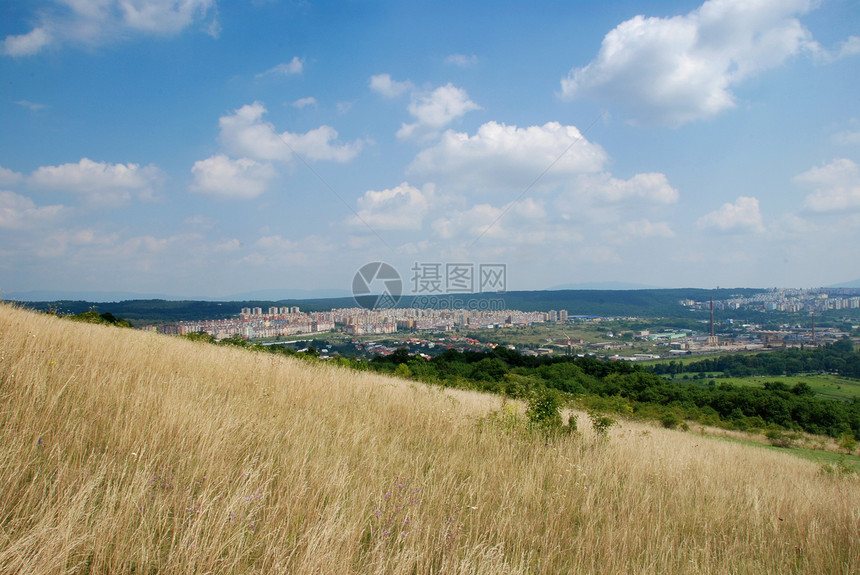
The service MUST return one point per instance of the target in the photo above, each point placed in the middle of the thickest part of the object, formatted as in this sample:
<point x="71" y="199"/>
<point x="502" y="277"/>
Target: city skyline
<point x="204" y="148"/>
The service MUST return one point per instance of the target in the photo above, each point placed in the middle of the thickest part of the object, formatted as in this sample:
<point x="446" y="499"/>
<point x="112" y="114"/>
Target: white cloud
<point x="245" y="134"/>
<point x="473" y="222"/>
<point x="836" y="186"/>
<point x="462" y="60"/>
<point x="230" y="245"/>
<point x="741" y="216"/>
<point x="642" y="229"/>
<point x="516" y="224"/>
<point x="26" y="44"/>
<point x="224" y="178"/>
<point x="305" y="102"/>
<point x="432" y="109"/>
<point x="276" y="242"/>
<point x="32" y="106"/>
<point x="145" y="245"/>
<point x="791" y="229"/>
<point x="59" y="243"/>
<point x="162" y="16"/>
<point x="92" y="22"/>
<point x="384" y="85"/>
<point x="399" y="208"/>
<point x="499" y="156"/>
<point x="200" y="221"/>
<point x="19" y="212"/>
<point x="846" y="138"/>
<point x="435" y="110"/>
<point x="274" y="250"/>
<point x="99" y="183"/>
<point x="675" y="70"/>
<point x="8" y="177"/>
<point x="291" y="68"/>
<point x="850" y="47"/>
<point x="603" y="188"/>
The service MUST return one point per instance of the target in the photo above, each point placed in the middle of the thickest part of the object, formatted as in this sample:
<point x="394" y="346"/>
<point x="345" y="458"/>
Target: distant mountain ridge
<point x="119" y="296"/>
<point x="854" y="284"/>
<point x="606" y="303"/>
<point x="611" y="285"/>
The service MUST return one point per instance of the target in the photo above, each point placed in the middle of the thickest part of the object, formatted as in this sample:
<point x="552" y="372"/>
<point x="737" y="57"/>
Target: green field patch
<point x="820" y="456"/>
<point x="827" y="386"/>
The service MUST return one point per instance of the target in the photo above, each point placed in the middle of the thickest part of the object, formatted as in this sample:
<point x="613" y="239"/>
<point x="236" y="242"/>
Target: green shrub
<point x="93" y="316"/>
<point x="601" y="423"/>
<point x="779" y="438"/>
<point x="544" y="410"/>
<point x="848" y="443"/>
<point x="403" y="371"/>
<point x="670" y="420"/>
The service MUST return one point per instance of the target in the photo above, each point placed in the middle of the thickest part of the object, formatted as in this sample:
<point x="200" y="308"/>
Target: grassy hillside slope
<point x="127" y="452"/>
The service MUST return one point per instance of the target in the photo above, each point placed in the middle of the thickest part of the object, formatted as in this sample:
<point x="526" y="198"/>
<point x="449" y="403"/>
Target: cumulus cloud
<point x="225" y="178"/>
<point x="565" y="192"/>
<point x="436" y="109"/>
<point x="92" y="22"/>
<point x="100" y="183"/>
<point x="399" y="208"/>
<point x="846" y="138"/>
<point x="161" y="16"/>
<point x="291" y="68"/>
<point x="310" y="101"/>
<point x="20" y="213"/>
<point x="462" y="60"/>
<point x="739" y="217"/>
<point x="26" y="44"/>
<point x="228" y="245"/>
<point x="276" y="242"/>
<point x="8" y="177"/>
<point x="244" y="133"/>
<point x="604" y="188"/>
<point x="675" y="70"/>
<point x="522" y="223"/>
<point x="642" y="229"/>
<point x="383" y="84"/>
<point x="850" y="47"/>
<point x="499" y="156"/>
<point x="473" y="222"/>
<point x="836" y="186"/>
<point x="432" y="109"/>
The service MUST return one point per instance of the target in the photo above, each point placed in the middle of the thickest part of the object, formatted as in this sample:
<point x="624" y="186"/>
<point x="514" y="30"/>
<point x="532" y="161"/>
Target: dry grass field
<point x="127" y="452"/>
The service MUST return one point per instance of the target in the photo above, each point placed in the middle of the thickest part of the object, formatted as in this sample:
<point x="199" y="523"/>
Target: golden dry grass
<point x="127" y="452"/>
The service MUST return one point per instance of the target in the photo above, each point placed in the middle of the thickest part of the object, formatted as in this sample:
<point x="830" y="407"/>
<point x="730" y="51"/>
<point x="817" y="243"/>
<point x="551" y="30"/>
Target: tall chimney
<point x="712" y="317"/>
<point x="813" y="328"/>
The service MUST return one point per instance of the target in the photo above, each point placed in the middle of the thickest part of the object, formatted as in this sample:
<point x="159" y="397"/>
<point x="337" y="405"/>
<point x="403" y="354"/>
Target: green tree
<point x="848" y="443"/>
<point x="403" y="371"/>
<point x="200" y="336"/>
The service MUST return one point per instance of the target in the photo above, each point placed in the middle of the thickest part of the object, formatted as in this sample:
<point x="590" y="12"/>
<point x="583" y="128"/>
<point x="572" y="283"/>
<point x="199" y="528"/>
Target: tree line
<point x="839" y="358"/>
<point x="632" y="390"/>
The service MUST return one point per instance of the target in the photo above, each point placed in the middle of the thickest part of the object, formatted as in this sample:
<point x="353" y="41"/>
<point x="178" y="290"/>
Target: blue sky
<point x="203" y="148"/>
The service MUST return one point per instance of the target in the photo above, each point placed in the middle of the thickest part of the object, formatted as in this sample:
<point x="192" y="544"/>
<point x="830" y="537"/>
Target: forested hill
<point x="645" y="302"/>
